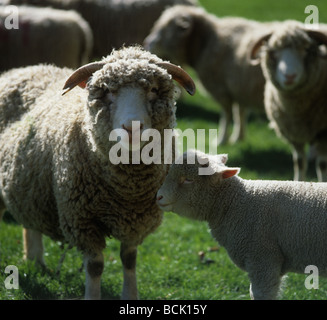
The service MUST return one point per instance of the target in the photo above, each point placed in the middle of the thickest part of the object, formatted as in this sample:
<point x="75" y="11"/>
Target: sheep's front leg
<point x="299" y="162"/>
<point x="128" y="255"/>
<point x="224" y="123"/>
<point x="321" y="160"/>
<point x="239" y="117"/>
<point x="33" y="246"/>
<point x="93" y="264"/>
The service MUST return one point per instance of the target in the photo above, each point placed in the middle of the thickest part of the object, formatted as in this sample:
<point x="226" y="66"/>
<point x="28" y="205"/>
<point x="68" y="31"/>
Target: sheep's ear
<point x="81" y="75"/>
<point x="254" y="58"/>
<point x="321" y="38"/>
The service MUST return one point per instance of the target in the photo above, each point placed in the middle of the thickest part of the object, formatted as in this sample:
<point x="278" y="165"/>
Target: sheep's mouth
<point x="165" y="206"/>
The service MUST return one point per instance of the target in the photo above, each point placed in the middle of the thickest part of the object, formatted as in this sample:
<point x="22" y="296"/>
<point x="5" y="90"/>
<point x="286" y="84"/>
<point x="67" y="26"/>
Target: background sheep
<point x="295" y="69"/>
<point x="217" y="49"/>
<point x="44" y="35"/>
<point x="269" y="228"/>
<point x="114" y="23"/>
<point x="56" y="177"/>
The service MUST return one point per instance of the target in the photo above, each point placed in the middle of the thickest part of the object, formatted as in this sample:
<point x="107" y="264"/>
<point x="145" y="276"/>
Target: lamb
<point x="56" y="176"/>
<point x="217" y="49"/>
<point x="294" y="65"/>
<point x="268" y="228"/>
<point x="41" y="36"/>
<point x="114" y="22"/>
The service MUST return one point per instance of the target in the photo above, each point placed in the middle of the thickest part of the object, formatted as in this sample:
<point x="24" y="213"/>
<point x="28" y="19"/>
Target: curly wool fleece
<point x="53" y="175"/>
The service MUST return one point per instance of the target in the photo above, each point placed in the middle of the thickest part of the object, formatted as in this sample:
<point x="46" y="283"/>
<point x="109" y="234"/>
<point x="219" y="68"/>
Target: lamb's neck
<point x="224" y="198"/>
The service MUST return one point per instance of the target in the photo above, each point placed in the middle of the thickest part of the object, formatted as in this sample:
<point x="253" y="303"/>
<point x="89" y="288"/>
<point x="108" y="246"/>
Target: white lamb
<point x="56" y="176"/>
<point x="268" y="228"/>
<point x="293" y="60"/>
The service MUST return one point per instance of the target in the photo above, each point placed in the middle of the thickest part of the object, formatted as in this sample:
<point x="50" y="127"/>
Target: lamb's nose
<point x="159" y="198"/>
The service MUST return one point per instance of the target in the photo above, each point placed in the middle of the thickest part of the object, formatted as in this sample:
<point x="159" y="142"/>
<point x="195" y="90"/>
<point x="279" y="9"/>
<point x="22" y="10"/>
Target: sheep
<point x="269" y="228"/>
<point x="56" y="175"/>
<point x="41" y="36"/>
<point x="294" y="65"/>
<point x="217" y="49"/>
<point x="114" y="22"/>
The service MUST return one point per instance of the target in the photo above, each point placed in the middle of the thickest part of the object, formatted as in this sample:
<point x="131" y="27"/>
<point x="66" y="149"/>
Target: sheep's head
<point x="188" y="192"/>
<point x="130" y="86"/>
<point x="171" y="34"/>
<point x="290" y="56"/>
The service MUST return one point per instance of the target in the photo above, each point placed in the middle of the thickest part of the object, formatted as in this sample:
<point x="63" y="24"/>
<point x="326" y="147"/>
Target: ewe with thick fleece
<point x="41" y="36"/>
<point x="56" y="177"/>
<point x="294" y="64"/>
<point x="268" y="228"/>
<point x="217" y="49"/>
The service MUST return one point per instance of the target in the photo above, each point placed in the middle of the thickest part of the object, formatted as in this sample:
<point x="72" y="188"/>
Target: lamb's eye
<point x="186" y="180"/>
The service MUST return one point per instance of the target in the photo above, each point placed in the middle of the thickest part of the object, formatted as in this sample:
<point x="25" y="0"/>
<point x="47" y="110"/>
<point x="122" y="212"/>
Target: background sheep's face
<point x="291" y="61"/>
<point x="187" y="192"/>
<point x="169" y="36"/>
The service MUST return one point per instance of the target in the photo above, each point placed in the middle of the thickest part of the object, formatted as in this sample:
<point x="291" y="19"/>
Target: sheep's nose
<point x="290" y="76"/>
<point x="130" y="130"/>
<point x="159" y="198"/>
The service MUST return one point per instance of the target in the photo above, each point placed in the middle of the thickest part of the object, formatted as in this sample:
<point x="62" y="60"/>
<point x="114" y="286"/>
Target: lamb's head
<point x="191" y="183"/>
<point x="129" y="90"/>
<point x="172" y="33"/>
<point x="291" y="55"/>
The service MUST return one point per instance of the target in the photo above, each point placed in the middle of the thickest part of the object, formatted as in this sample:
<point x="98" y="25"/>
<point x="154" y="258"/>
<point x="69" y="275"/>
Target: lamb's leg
<point x="128" y="255"/>
<point x="94" y="265"/>
<point x="299" y="162"/>
<point x="265" y="285"/>
<point x="239" y="117"/>
<point x="33" y="246"/>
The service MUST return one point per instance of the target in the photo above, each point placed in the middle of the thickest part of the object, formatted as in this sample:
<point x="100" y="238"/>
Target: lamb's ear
<point x="253" y="57"/>
<point x="229" y="172"/>
<point x="81" y="75"/>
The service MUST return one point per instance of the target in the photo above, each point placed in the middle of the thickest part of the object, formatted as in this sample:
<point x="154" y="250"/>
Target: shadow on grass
<point x="43" y="284"/>
<point x="192" y="111"/>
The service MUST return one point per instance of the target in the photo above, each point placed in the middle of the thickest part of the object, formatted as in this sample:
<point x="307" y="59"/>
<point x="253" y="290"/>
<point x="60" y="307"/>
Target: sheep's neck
<point x="201" y="34"/>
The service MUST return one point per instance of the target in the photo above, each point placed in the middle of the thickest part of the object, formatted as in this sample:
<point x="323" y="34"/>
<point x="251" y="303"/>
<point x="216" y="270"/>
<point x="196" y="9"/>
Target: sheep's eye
<point x="155" y="90"/>
<point x="153" y="93"/>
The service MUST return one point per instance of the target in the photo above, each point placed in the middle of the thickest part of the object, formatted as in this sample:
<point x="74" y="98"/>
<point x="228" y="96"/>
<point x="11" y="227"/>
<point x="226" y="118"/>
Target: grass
<point x="169" y="266"/>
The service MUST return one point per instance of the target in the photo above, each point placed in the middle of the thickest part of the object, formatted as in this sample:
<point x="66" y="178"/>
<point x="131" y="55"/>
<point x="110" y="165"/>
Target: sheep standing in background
<point x="294" y="64"/>
<point x="44" y="35"/>
<point x="217" y="49"/>
<point x="114" y="22"/>
<point x="56" y="175"/>
<point x="268" y="228"/>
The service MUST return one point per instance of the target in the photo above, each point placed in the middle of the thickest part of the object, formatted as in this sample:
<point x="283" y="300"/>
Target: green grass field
<point x="169" y="266"/>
